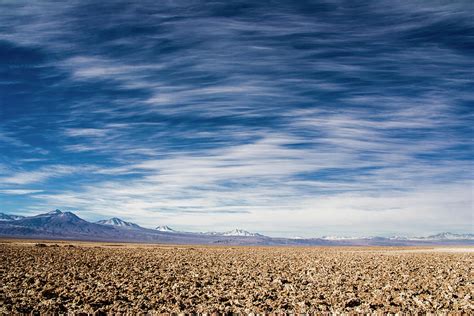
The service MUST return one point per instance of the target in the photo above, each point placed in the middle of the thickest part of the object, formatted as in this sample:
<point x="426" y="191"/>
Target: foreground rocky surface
<point x="132" y="278"/>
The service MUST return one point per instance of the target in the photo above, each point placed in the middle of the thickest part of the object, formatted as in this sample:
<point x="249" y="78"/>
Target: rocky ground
<point x="123" y="278"/>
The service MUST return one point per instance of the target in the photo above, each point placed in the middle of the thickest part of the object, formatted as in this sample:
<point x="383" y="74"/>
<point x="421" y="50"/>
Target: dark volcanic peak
<point x="115" y="221"/>
<point x="57" y="224"/>
<point x="56" y="217"/>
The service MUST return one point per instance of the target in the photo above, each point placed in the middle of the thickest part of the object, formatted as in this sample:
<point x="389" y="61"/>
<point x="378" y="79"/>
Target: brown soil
<point x="51" y="277"/>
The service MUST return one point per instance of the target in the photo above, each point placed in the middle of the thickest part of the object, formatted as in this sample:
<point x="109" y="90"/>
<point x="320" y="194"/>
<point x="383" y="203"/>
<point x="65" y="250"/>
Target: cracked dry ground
<point x="231" y="279"/>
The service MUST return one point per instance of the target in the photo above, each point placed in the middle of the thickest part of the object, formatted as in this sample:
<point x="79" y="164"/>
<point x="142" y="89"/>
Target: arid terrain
<point x="88" y="277"/>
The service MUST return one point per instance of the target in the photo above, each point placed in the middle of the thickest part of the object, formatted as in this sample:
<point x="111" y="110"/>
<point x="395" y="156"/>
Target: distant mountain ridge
<point x="165" y="228"/>
<point x="115" y="221"/>
<point x="56" y="223"/>
<point x="440" y="236"/>
<point x="444" y="236"/>
<point x="236" y="232"/>
<point x="450" y="236"/>
<point x="10" y="217"/>
<point x="67" y="225"/>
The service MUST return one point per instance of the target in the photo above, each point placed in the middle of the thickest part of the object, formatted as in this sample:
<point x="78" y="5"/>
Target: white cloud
<point x="39" y="175"/>
<point x="253" y="185"/>
<point x="247" y="170"/>
<point x="20" y="191"/>
<point x="85" y="132"/>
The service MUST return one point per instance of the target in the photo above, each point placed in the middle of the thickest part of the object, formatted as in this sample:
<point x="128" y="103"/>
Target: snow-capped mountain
<point x="235" y="233"/>
<point x="55" y="212"/>
<point x="240" y="232"/>
<point x="10" y="217"/>
<point x="67" y="225"/>
<point x="115" y="221"/>
<point x="165" y="229"/>
<point x="55" y="223"/>
<point x="52" y="213"/>
<point x="56" y="215"/>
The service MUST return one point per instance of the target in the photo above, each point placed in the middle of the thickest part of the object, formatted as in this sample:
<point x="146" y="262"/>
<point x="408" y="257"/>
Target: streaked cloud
<point x="19" y="191"/>
<point x="308" y="118"/>
<point x="40" y="175"/>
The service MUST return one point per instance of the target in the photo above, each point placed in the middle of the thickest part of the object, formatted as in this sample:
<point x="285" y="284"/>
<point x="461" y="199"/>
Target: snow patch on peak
<point x="51" y="214"/>
<point x="115" y="221"/>
<point x="239" y="232"/>
<point x="165" y="228"/>
<point x="235" y="233"/>
<point x="55" y="212"/>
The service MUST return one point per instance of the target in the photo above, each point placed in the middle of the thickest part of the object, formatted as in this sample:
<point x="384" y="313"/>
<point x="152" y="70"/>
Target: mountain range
<point x="165" y="228"/>
<point x="235" y="232"/>
<point x="114" y="221"/>
<point x="7" y="217"/>
<point x="67" y="225"/>
<point x="440" y="236"/>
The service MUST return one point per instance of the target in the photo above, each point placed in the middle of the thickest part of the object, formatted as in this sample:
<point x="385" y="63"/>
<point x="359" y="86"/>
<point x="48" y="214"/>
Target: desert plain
<point x="80" y="277"/>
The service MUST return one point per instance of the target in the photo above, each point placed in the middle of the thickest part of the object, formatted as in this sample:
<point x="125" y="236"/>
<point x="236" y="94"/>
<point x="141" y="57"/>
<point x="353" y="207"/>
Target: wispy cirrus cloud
<point x="39" y="175"/>
<point x="20" y="191"/>
<point x="214" y="113"/>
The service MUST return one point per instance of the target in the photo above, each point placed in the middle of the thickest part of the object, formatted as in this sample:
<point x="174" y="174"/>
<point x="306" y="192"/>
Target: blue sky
<point x="288" y="118"/>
